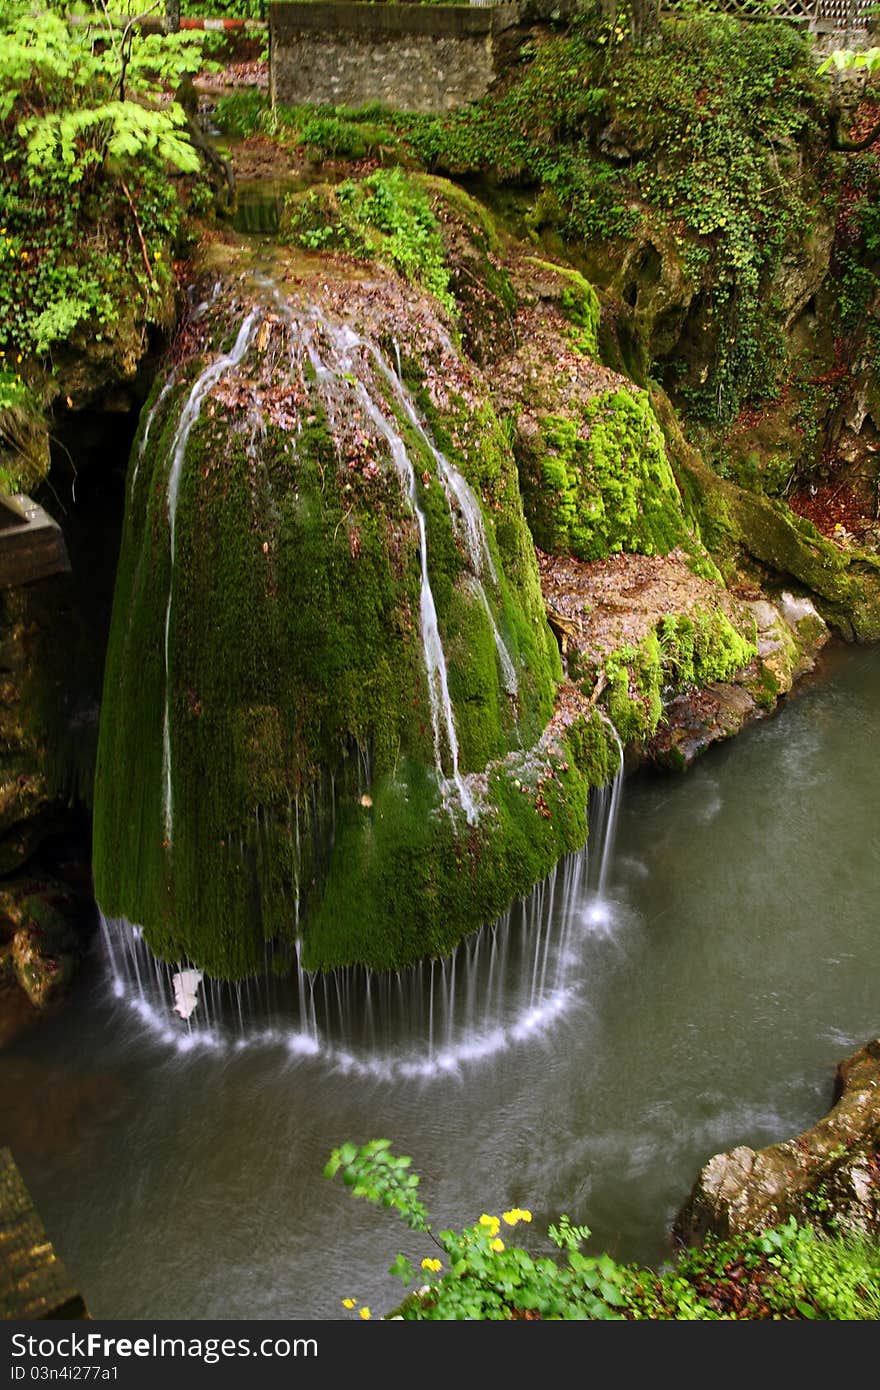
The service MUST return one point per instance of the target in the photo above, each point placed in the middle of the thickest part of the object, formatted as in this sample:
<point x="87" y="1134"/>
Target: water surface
<point x="735" y="964"/>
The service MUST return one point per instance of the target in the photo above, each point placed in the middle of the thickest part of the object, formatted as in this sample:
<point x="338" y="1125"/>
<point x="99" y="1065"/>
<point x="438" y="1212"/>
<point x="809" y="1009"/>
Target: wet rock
<point x="830" y="1175"/>
<point x="790" y="634"/>
<point x="40" y="948"/>
<point x="42" y="972"/>
<point x="696" y="719"/>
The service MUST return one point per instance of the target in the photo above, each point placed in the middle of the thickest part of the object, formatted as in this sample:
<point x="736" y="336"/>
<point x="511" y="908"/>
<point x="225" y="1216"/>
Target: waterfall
<point x="603" y="815"/>
<point x="188" y="417"/>
<point x="464" y="508"/>
<point x="509" y="983"/>
<point x="607" y="818"/>
<point x="342" y="342"/>
<point x="154" y="410"/>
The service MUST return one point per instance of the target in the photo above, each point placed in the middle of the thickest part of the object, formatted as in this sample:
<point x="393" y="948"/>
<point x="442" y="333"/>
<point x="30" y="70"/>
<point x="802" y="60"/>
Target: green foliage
<point x="71" y="81"/>
<point x="244" y="113"/>
<point x="486" y="1279"/>
<point x="87" y="214"/>
<point x="854" y="261"/>
<point x="684" y="650"/>
<point x="378" y="1175"/>
<point x="225" y="9"/>
<point x="843" y="58"/>
<point x="714" y="123"/>
<point x="787" y="1272"/>
<point x="602" y="482"/>
<point x="580" y="304"/>
<point x="386" y="217"/>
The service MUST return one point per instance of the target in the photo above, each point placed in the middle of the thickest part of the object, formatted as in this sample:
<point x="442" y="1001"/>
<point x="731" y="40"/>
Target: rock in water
<point x="831" y="1173"/>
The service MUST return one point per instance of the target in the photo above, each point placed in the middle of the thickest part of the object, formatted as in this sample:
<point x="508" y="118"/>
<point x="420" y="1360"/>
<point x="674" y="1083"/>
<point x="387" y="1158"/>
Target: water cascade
<point x="605" y="816"/>
<point x="338" y="368"/>
<point x="328" y="725"/>
<point x="509" y="982"/>
<point x="464" y="506"/>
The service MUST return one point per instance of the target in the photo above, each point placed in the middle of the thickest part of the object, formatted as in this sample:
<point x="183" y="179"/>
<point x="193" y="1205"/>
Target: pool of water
<point x="732" y="965"/>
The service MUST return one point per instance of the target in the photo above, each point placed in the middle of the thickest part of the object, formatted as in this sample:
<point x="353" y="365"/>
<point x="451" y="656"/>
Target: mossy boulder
<point x="760" y="537"/>
<point x="294" y="778"/>
<point x="600" y="482"/>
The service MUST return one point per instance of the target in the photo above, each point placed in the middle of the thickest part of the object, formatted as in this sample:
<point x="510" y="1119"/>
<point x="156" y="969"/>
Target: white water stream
<point x="506" y="984"/>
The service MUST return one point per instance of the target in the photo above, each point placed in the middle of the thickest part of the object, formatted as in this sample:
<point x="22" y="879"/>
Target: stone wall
<point x="411" y="57"/>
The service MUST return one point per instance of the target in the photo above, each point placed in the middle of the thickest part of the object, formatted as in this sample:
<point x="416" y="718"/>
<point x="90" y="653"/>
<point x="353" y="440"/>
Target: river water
<point x="732" y="963"/>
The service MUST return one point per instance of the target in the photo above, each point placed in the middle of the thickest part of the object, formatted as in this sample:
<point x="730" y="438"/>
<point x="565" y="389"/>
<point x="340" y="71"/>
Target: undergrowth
<point x="710" y="141"/>
<point x="786" y="1272"/>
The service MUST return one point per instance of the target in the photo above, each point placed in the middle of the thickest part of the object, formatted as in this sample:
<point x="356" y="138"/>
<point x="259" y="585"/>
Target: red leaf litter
<point x="836" y="510"/>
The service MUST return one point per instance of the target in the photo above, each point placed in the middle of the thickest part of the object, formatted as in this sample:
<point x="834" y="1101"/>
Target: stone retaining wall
<point x="411" y="57"/>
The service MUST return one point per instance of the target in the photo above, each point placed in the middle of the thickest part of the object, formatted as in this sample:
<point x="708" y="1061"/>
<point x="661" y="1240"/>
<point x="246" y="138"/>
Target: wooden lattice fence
<point x="821" y="16"/>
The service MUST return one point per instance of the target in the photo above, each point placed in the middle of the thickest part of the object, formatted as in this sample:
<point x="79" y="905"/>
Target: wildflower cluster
<point x="483" y="1277"/>
<point x="363" y="1311"/>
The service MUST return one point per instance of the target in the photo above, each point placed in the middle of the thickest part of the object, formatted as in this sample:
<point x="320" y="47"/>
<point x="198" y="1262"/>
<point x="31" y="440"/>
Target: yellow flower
<point x="349" y="1302"/>
<point x="432" y="1265"/>
<point x="491" y="1223"/>
<point x="365" y="1313"/>
<point x="515" y="1215"/>
<point x="496" y="1245"/>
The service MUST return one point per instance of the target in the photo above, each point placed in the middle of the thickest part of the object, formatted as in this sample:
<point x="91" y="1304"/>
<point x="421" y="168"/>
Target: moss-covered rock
<point x="291" y="775"/>
<point x="747" y="532"/>
<point x="602" y="483"/>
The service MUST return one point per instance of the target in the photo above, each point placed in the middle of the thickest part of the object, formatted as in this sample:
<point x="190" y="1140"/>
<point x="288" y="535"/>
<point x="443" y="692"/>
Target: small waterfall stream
<point x="435" y="659"/>
<point x="464" y="507"/>
<point x="506" y="984"/>
<point x="343" y="349"/>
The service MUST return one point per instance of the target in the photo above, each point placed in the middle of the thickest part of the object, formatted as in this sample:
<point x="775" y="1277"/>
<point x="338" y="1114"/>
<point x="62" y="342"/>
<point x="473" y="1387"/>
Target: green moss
<point x="404" y="854"/>
<point x="602" y="483"/>
<point x="683" y="650"/>
<point x="765" y="689"/>
<point x="305" y="798"/>
<point x="386" y="216"/>
<point x="580" y="304"/>
<point x="740" y="527"/>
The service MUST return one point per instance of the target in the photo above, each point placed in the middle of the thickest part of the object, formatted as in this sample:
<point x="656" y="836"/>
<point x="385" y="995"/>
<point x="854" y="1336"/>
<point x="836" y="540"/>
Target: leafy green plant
<point x="386" y="216"/>
<point x="484" y="1277"/>
<point x="786" y="1272"/>
<point x="87" y="212"/>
